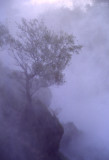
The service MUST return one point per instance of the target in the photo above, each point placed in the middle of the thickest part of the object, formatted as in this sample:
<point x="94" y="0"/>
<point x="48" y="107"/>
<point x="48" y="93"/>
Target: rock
<point x="36" y="136"/>
<point x="42" y="131"/>
<point x="27" y="132"/>
<point x="70" y="139"/>
<point x="71" y="133"/>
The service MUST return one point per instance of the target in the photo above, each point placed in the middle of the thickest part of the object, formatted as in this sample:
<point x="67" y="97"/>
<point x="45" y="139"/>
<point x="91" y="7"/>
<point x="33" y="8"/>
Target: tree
<point x="42" y="55"/>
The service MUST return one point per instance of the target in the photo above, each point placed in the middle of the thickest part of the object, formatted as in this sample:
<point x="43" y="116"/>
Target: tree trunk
<point x="28" y="92"/>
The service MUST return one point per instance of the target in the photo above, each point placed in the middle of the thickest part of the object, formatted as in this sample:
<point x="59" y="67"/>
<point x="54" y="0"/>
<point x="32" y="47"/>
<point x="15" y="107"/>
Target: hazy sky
<point x="9" y="8"/>
<point x="66" y="3"/>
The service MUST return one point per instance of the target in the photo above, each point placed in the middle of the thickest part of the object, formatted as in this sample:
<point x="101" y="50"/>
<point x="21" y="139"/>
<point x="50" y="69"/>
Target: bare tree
<point x="42" y="55"/>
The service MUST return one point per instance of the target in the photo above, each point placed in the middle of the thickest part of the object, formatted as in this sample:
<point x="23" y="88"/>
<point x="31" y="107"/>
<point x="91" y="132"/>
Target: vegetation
<point x="42" y="55"/>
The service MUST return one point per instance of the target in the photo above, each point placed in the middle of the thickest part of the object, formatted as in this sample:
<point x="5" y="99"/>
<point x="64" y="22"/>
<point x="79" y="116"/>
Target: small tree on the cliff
<point x="42" y="55"/>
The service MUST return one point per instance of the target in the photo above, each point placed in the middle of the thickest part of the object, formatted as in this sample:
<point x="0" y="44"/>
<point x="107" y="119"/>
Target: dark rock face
<point x="70" y="139"/>
<point x="35" y="136"/>
<point x="26" y="132"/>
<point x="42" y="131"/>
<point x="71" y="133"/>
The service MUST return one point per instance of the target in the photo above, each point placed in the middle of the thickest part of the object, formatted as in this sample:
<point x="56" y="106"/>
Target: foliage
<point x="41" y="54"/>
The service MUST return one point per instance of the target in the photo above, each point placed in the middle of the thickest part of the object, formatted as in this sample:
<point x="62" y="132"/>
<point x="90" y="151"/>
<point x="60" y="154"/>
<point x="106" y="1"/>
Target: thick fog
<point x="86" y="91"/>
<point x="84" y="98"/>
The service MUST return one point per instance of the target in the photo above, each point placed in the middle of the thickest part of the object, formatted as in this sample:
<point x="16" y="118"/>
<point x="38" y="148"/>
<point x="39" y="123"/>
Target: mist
<point x="89" y="69"/>
<point x="85" y="93"/>
<point x="84" y="98"/>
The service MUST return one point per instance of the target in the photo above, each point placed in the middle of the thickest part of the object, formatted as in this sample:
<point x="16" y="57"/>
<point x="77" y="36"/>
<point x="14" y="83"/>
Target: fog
<point x="87" y="76"/>
<point x="84" y="98"/>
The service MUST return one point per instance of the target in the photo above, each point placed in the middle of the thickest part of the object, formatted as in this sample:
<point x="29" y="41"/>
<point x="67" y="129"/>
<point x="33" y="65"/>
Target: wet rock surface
<point x="43" y="131"/>
<point x="35" y="136"/>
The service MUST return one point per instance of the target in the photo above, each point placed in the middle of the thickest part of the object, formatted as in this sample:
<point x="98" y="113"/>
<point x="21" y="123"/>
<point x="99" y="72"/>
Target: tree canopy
<point x="41" y="54"/>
